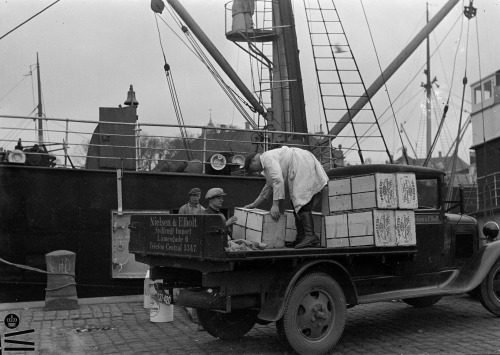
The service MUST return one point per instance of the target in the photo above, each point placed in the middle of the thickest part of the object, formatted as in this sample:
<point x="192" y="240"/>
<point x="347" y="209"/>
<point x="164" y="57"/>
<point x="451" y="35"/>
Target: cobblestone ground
<point x="455" y="325"/>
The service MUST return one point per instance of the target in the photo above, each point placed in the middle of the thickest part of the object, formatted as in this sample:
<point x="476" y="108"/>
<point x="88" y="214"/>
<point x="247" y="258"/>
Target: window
<point x="477" y="94"/>
<point x="428" y="193"/>
<point x="487" y="90"/>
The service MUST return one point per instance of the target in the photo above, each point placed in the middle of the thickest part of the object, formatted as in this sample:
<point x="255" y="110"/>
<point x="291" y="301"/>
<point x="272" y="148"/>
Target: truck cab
<point x="307" y="291"/>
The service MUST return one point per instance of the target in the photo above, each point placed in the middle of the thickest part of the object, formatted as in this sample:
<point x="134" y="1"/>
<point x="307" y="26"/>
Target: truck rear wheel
<point x="315" y="315"/>
<point x="490" y="290"/>
<point x="420" y="302"/>
<point x="227" y="326"/>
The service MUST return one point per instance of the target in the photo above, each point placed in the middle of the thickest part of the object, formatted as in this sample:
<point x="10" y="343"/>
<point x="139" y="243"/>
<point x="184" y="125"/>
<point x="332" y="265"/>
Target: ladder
<point x="340" y="83"/>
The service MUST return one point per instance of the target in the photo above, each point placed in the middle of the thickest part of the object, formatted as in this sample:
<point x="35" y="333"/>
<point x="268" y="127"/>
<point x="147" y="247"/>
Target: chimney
<point x="440" y="155"/>
<point x="247" y="125"/>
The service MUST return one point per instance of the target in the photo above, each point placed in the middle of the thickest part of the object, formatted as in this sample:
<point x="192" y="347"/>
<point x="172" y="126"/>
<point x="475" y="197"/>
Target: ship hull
<point x="47" y="209"/>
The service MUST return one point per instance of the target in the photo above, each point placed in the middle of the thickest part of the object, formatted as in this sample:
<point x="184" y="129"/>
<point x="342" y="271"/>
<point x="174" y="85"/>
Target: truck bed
<point x="203" y="237"/>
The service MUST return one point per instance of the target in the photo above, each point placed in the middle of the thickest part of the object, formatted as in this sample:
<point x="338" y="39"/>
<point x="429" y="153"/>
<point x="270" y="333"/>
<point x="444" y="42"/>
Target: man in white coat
<point x="305" y="177"/>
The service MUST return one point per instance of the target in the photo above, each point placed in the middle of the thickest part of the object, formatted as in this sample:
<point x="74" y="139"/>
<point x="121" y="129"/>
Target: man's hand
<point x="275" y="212"/>
<point x="231" y="221"/>
<point x="250" y="206"/>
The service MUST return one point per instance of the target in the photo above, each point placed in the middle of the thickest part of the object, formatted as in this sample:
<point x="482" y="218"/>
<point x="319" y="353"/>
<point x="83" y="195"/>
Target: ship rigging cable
<point x="384" y="121"/>
<point x="486" y="186"/>
<point x="232" y="95"/>
<point x="173" y="94"/>
<point x="445" y="110"/>
<point x="469" y="12"/>
<point x="386" y="90"/>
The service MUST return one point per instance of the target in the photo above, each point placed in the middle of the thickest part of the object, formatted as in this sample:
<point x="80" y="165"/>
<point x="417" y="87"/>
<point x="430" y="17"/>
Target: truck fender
<point x="473" y="273"/>
<point x="273" y="306"/>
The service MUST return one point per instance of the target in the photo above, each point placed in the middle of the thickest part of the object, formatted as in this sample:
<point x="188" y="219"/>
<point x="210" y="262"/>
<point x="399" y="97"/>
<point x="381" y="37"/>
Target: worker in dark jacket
<point x="215" y="198"/>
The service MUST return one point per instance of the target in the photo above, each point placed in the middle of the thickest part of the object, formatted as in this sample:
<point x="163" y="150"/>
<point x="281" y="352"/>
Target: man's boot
<point x="310" y="238"/>
<point x="300" y="233"/>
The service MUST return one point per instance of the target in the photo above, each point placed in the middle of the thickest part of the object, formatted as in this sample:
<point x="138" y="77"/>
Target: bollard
<point x="61" y="289"/>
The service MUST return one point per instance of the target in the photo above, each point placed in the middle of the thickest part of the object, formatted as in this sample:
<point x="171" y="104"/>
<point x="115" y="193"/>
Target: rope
<point x="232" y="95"/>
<point x="30" y="268"/>
<point x="173" y="95"/>
<point x="449" y="195"/>
<point x="386" y="89"/>
<point x="32" y="17"/>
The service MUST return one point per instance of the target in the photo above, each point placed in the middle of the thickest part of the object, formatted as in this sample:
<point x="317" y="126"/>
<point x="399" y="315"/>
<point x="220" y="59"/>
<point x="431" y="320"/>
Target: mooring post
<point x="61" y="286"/>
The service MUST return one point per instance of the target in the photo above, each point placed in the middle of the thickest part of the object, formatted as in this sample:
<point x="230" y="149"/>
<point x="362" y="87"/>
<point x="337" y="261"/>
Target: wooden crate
<point x="336" y="230"/>
<point x="366" y="240"/>
<point x="337" y="243"/>
<point x="339" y="187"/>
<point x="260" y="227"/>
<point x="384" y="228"/>
<point x="407" y="191"/>
<point x="360" y="223"/>
<point x="374" y="190"/>
<point x="405" y="227"/>
<point x="379" y="224"/>
<point x="291" y="229"/>
<point x="336" y="226"/>
<point x="335" y="203"/>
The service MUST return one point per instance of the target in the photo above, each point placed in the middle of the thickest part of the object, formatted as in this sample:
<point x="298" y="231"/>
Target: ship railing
<point x="69" y="143"/>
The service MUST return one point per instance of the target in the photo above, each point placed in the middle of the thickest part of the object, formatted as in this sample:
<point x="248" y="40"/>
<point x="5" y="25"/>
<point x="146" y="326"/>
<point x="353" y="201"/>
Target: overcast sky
<point x="91" y="51"/>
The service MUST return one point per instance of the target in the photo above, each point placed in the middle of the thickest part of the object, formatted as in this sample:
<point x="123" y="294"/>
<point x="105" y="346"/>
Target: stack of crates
<point x="370" y="210"/>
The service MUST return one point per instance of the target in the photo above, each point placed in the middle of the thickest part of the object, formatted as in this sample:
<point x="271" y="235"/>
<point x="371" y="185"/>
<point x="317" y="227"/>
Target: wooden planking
<point x="336" y="226"/>
<point x="339" y="187"/>
<point x="366" y="240"/>
<point x="238" y="232"/>
<point x="241" y="216"/>
<point x="337" y="242"/>
<point x="360" y="223"/>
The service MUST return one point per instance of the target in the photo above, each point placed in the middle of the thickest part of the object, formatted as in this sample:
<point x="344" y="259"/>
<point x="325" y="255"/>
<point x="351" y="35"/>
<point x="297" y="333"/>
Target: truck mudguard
<point x="274" y="304"/>
<point x="475" y="270"/>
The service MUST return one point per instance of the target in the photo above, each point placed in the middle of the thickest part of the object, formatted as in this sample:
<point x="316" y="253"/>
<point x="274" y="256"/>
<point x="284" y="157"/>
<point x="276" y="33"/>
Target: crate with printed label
<point x="375" y="227"/>
<point x="407" y="191"/>
<point x="258" y="226"/>
<point x="405" y="227"/>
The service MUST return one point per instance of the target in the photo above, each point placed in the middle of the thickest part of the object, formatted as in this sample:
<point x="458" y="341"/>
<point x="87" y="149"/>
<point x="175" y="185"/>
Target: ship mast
<point x="428" y="89"/>
<point x="40" y="111"/>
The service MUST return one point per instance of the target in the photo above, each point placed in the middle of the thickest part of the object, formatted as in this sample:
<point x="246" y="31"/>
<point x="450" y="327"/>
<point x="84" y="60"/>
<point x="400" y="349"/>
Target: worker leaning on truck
<point x="305" y="177"/>
<point x="215" y="198"/>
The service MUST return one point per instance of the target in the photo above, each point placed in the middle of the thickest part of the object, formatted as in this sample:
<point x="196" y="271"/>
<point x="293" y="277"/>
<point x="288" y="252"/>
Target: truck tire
<point x="314" y="316"/>
<point x="490" y="290"/>
<point x="227" y="326"/>
<point x="421" y="302"/>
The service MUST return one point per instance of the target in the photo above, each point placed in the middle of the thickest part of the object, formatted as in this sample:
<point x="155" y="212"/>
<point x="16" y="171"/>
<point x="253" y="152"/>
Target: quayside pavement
<point x="120" y="325"/>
